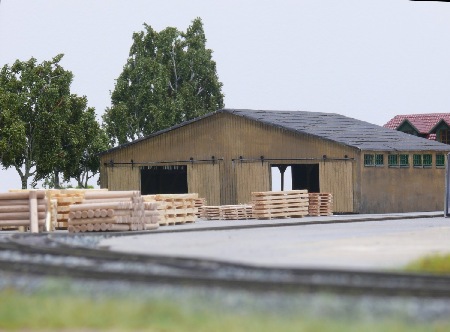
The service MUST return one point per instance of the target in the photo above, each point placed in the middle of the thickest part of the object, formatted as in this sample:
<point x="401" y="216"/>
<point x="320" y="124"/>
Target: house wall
<point x="228" y="137"/>
<point x="394" y="189"/>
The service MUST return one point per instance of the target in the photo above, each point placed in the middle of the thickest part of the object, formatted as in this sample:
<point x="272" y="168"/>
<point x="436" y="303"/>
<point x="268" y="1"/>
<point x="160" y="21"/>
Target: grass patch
<point x="435" y="264"/>
<point x="54" y="309"/>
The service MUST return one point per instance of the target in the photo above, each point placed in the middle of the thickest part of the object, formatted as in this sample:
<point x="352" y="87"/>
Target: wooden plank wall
<point x="251" y="177"/>
<point x="124" y="178"/>
<point x="223" y="136"/>
<point x="336" y="177"/>
<point x="204" y="179"/>
<point x="398" y="189"/>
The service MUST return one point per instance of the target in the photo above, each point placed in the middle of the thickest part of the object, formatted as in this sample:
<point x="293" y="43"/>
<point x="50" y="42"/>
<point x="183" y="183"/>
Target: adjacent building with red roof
<point x="434" y="126"/>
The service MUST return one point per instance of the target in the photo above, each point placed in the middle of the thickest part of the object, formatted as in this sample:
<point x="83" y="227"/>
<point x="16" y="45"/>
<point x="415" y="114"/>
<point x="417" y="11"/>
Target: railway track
<point x="45" y="254"/>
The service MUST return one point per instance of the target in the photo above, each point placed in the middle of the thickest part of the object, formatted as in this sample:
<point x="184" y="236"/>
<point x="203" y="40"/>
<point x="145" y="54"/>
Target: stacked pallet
<point x="199" y="204"/>
<point x="320" y="204"/>
<point x="227" y="212"/>
<point x="212" y="212"/>
<point x="236" y="212"/>
<point x="175" y="208"/>
<point x="27" y="209"/>
<point x="112" y="211"/>
<point x="280" y="204"/>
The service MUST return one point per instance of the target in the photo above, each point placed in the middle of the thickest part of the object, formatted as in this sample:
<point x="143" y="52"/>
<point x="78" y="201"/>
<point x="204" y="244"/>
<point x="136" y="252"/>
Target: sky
<point x="366" y="59"/>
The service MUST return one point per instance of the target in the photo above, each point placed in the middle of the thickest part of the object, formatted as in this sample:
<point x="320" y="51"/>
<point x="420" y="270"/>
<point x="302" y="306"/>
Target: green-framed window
<point x="379" y="160"/>
<point x="404" y="160"/>
<point x="417" y="160"/>
<point x="393" y="160"/>
<point x="427" y="160"/>
<point x="440" y="160"/>
<point x="369" y="160"/>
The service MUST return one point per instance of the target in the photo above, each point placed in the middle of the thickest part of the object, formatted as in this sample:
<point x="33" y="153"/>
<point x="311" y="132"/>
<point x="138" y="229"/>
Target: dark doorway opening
<point x="306" y="176"/>
<point x="164" y="180"/>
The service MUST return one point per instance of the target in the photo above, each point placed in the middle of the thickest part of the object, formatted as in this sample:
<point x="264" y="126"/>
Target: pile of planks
<point x="112" y="211"/>
<point x="236" y="212"/>
<point x="280" y="204"/>
<point x="175" y="208"/>
<point x="212" y="212"/>
<point x="320" y="204"/>
<point x="60" y="202"/>
<point x="228" y="212"/>
<point x="199" y="204"/>
<point x="26" y="210"/>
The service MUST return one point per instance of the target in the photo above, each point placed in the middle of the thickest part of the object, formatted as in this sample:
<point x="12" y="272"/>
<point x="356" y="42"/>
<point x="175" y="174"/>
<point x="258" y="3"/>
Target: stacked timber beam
<point x="280" y="204"/>
<point x="64" y="199"/>
<point x="228" y="212"/>
<point x="320" y="204"/>
<point x="211" y="212"/>
<point x="112" y="211"/>
<point x="236" y="212"/>
<point x="199" y="204"/>
<point x="175" y="208"/>
<point x="27" y="209"/>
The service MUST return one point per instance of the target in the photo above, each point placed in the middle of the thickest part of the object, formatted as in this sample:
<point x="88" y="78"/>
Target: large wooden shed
<point x="226" y="155"/>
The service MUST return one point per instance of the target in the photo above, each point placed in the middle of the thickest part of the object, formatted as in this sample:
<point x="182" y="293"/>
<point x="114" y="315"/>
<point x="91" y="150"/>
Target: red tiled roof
<point x="422" y="122"/>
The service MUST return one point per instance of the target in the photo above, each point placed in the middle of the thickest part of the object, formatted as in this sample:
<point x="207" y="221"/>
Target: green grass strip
<point x="60" y="311"/>
<point x="435" y="264"/>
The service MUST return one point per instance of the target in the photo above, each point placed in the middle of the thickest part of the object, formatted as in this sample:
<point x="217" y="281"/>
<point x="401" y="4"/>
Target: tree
<point x="169" y="78"/>
<point x="84" y="164"/>
<point x="38" y="117"/>
<point x="80" y="140"/>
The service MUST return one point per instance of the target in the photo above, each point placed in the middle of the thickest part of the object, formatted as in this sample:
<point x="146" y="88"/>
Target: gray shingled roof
<point x="330" y="126"/>
<point x="342" y="129"/>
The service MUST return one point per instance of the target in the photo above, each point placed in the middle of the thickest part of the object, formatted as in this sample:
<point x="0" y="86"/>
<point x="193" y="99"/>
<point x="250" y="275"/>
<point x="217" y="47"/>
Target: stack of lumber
<point x="153" y="217"/>
<point x="112" y="211"/>
<point x="64" y="199"/>
<point x="320" y="204"/>
<point x="26" y="209"/>
<point x="228" y="212"/>
<point x="212" y="212"/>
<point x="199" y="204"/>
<point x="236" y="212"/>
<point x="280" y="204"/>
<point x="175" y="208"/>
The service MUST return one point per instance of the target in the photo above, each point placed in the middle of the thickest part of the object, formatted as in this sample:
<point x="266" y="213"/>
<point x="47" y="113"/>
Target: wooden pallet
<point x="320" y="204"/>
<point x="199" y="203"/>
<point x="175" y="208"/>
<point x="212" y="212"/>
<point x="280" y="204"/>
<point x="236" y="212"/>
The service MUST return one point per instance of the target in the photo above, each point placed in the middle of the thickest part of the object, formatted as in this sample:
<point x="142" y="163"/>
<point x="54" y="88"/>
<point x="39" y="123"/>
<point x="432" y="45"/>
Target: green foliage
<point x="42" y="129"/>
<point x="169" y="78"/>
<point x="57" y="310"/>
<point x="435" y="264"/>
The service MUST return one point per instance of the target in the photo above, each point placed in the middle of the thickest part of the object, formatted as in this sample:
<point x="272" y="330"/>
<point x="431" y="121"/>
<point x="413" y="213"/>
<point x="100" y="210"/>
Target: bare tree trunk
<point x="57" y="185"/>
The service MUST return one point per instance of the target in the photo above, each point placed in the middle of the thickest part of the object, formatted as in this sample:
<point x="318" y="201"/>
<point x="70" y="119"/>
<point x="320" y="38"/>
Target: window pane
<point x="444" y="136"/>
<point x="440" y="160"/>
<point x="404" y="160"/>
<point x="369" y="160"/>
<point x="393" y="160"/>
<point x="379" y="160"/>
<point x="427" y="160"/>
<point x="417" y="160"/>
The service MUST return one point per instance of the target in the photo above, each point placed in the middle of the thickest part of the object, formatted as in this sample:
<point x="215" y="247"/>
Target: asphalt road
<point x="374" y="245"/>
